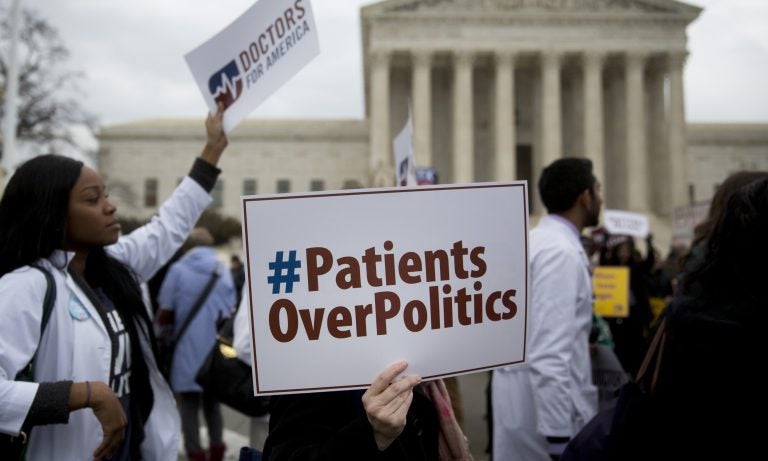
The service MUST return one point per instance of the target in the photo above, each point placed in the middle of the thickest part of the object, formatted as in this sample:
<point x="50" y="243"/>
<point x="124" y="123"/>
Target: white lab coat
<point x="552" y="394"/>
<point x="80" y="350"/>
<point x="242" y="344"/>
<point x="241" y="340"/>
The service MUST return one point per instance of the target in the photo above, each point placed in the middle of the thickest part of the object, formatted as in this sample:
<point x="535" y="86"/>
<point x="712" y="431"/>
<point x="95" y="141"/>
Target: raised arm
<point x="147" y="248"/>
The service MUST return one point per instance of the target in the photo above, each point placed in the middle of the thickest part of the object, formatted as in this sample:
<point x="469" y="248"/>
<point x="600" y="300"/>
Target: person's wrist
<point x="212" y="153"/>
<point x="381" y="438"/>
<point x="97" y="394"/>
<point x="217" y="144"/>
<point x="213" y="150"/>
<point x="216" y="139"/>
<point x="382" y="442"/>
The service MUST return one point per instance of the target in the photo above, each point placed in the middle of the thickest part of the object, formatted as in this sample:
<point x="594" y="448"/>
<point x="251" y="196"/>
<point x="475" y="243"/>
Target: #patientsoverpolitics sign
<point x="343" y="284"/>
<point x="250" y="59"/>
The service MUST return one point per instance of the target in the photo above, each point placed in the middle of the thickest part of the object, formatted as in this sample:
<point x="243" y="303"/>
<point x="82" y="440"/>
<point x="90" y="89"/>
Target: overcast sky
<point x="132" y="54"/>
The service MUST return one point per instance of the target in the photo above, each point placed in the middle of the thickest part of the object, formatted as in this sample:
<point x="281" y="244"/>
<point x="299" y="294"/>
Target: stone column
<point x="593" y="112"/>
<point x="422" y="107"/>
<point x="382" y="171"/>
<point x="552" y="133"/>
<point x="678" y="159"/>
<point x="463" y="142"/>
<point x="637" y="154"/>
<point x="658" y="153"/>
<point x="506" y="148"/>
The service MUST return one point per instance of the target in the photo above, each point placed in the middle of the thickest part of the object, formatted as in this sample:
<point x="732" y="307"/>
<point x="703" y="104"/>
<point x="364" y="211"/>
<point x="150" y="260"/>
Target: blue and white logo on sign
<point x="226" y="85"/>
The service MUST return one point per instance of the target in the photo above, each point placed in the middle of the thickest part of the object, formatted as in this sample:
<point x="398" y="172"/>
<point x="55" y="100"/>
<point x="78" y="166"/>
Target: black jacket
<point x="709" y="401"/>
<point x="332" y="426"/>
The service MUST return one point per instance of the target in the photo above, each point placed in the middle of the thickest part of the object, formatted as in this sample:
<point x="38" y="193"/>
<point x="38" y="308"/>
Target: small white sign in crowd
<point x="626" y="223"/>
<point x="405" y="163"/>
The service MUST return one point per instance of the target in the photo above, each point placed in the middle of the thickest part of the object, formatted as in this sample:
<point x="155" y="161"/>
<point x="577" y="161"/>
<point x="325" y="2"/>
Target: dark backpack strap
<point x="48" y="300"/>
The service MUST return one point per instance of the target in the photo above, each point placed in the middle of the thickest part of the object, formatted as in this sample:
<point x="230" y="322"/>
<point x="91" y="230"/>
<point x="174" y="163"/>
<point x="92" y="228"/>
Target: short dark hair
<point x="561" y="183"/>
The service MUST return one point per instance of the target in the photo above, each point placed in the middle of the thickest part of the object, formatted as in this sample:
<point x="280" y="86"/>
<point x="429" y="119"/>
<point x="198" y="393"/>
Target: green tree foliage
<point x="222" y="228"/>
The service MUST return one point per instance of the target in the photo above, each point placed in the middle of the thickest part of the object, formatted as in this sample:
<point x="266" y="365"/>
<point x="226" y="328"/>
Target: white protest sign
<point x="402" y="145"/>
<point x="250" y="59"/>
<point x="343" y="284"/>
<point x="686" y="218"/>
<point x="626" y="223"/>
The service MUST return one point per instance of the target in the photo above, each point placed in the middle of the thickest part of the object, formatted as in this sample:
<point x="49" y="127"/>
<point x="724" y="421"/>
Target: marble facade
<point x="497" y="89"/>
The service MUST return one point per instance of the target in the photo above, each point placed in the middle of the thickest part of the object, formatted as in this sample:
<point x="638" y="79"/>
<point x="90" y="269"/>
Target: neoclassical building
<point x="501" y="88"/>
<point x="497" y="90"/>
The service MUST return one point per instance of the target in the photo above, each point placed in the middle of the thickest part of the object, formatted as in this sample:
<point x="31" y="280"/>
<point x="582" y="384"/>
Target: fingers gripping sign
<point x="386" y="403"/>
<point x="214" y="127"/>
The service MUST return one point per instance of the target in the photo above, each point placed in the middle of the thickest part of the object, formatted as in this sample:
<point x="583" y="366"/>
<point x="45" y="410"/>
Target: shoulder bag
<point x="228" y="378"/>
<point x="616" y="428"/>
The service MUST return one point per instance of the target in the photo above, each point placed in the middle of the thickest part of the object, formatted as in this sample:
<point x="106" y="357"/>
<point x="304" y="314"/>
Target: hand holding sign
<point x="217" y="140"/>
<point x="386" y="403"/>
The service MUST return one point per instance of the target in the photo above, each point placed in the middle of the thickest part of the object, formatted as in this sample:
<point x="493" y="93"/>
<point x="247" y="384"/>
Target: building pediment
<point x="560" y="7"/>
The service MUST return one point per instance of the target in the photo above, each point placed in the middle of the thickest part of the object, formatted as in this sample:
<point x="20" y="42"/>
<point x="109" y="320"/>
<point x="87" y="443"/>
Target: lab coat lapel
<point x="79" y="294"/>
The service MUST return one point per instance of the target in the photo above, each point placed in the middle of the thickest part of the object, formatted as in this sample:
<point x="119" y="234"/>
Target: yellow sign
<point x="611" y="287"/>
<point x="657" y="306"/>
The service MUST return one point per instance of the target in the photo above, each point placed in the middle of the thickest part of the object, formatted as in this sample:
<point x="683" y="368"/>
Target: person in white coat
<point x="539" y="406"/>
<point x="97" y="391"/>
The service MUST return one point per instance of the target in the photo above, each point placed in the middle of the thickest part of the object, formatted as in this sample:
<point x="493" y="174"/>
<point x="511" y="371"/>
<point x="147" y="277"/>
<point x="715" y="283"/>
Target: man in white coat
<point x="539" y="406"/>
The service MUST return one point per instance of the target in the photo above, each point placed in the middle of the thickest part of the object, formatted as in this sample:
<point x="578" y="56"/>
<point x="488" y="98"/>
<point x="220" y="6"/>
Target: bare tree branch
<point x="48" y="106"/>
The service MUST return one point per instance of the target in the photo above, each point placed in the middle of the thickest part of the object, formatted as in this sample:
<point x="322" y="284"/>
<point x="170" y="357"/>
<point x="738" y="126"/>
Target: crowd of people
<point x="109" y="372"/>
